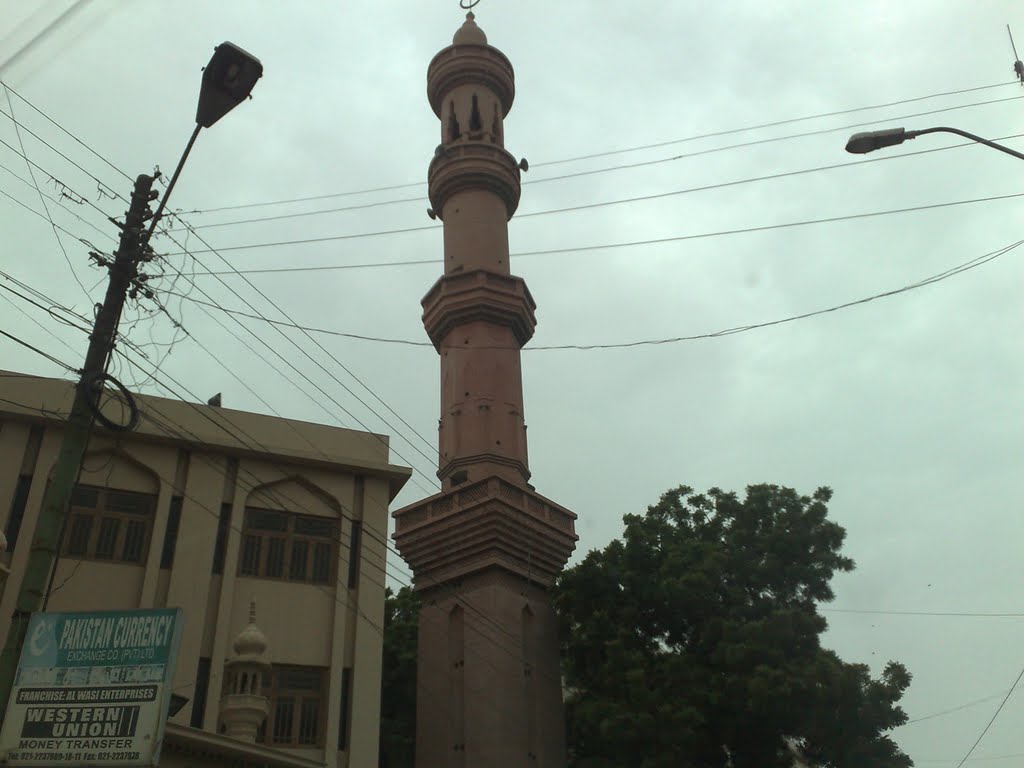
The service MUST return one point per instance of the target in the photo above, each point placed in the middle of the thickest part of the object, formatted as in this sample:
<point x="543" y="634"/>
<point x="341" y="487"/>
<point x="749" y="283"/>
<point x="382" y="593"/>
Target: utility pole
<point x="132" y="249"/>
<point x="227" y="81"/>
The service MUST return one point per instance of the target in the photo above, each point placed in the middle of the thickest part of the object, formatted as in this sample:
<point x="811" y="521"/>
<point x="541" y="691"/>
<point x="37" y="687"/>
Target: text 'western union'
<point x="72" y="722"/>
<point x="115" y="632"/>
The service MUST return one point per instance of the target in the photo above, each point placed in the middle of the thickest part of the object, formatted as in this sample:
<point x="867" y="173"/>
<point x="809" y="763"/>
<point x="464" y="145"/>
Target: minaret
<point x="485" y="549"/>
<point x="244" y="706"/>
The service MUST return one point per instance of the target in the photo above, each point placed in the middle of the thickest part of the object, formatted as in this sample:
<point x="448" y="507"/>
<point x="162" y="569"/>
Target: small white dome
<point x="469" y="33"/>
<point x="251" y="641"/>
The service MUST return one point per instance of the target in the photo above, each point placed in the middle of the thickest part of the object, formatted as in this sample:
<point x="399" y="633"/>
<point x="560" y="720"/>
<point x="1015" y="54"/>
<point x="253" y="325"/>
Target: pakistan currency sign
<point x="92" y="689"/>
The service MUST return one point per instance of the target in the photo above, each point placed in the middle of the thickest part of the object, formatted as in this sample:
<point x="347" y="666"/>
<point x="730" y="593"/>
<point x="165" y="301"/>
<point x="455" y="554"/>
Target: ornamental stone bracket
<point x="479" y="294"/>
<point x="488" y="524"/>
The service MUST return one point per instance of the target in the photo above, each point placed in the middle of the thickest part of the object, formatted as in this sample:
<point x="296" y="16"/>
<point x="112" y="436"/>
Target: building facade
<point x="216" y="511"/>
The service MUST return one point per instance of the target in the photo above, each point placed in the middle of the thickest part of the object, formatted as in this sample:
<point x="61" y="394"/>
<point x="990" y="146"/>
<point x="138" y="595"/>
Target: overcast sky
<point x="908" y="407"/>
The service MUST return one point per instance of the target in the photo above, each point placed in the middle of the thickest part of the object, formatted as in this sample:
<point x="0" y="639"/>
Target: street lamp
<point x="227" y="81"/>
<point x="869" y="141"/>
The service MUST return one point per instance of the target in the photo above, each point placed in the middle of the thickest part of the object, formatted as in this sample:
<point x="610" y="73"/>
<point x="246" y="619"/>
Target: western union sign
<point x="92" y="689"/>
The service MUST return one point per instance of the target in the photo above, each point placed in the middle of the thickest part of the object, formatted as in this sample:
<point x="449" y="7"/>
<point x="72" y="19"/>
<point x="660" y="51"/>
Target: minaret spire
<point x="485" y="549"/>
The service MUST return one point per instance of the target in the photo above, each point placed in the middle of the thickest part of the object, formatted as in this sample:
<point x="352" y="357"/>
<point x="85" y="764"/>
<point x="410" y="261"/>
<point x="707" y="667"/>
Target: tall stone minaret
<point x="486" y="548"/>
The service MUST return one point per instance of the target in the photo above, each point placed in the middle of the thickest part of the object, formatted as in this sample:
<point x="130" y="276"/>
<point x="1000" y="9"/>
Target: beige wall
<point x="293" y="466"/>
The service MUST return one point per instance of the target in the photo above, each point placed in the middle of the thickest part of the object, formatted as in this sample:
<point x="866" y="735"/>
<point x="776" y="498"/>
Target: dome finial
<point x="252" y="611"/>
<point x="469" y="33"/>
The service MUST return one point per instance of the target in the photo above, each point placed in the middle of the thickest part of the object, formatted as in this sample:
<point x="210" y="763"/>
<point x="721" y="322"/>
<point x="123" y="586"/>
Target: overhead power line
<point x="620" y="151"/>
<point x="312" y="359"/>
<point x="952" y="710"/>
<point x="42" y="199"/>
<point x="961" y="614"/>
<point x="994" y="716"/>
<point x="68" y="133"/>
<point x="38" y="351"/>
<point x="75" y="7"/>
<point x="552" y="251"/>
<point x="606" y="203"/>
<point x="944" y="275"/>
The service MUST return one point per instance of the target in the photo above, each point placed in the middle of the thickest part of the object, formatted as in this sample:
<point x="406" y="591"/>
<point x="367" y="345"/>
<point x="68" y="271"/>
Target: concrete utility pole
<point x="132" y="249"/>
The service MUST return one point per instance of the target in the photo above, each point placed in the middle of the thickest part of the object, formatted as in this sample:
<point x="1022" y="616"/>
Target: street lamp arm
<point x="966" y="135"/>
<point x="174" y="180"/>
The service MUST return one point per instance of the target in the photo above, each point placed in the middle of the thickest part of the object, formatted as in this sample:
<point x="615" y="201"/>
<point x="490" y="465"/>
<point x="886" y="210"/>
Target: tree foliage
<point x="398" y="683"/>
<point x="694" y="642"/>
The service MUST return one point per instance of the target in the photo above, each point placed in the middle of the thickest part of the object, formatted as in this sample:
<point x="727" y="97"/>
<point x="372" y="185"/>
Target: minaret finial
<point x="468" y="5"/>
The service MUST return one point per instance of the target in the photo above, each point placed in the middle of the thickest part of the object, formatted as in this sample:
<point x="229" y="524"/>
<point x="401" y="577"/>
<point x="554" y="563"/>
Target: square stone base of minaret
<point x="488" y="680"/>
<point x="495" y="698"/>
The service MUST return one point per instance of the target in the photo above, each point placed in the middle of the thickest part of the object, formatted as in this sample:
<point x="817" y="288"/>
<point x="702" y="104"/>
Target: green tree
<point x="398" y="683"/>
<point x="694" y="642"/>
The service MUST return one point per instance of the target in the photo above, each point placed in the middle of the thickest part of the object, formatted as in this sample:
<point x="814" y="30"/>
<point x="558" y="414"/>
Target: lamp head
<point x="227" y="81"/>
<point x="869" y="141"/>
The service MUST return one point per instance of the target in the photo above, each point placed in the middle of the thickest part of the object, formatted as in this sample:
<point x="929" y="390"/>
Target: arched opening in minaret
<point x="475" y="123"/>
<point x="496" y="127"/>
<point x="454" y="131"/>
<point x="529" y="639"/>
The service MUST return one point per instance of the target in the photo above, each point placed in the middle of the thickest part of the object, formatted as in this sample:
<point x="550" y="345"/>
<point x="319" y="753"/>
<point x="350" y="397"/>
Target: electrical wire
<point x="42" y="199"/>
<point x="412" y="445"/>
<point x="107" y="191"/>
<point x="961" y="614"/>
<point x="77" y="140"/>
<point x="953" y="710"/>
<point x="994" y="716"/>
<point x="67" y="194"/>
<point x="571" y="249"/>
<point x="938" y="277"/>
<point x="38" y="351"/>
<point x="712" y="134"/>
<point x="76" y="6"/>
<point x="368" y="528"/>
<point x="620" y="201"/>
<point x="431" y="458"/>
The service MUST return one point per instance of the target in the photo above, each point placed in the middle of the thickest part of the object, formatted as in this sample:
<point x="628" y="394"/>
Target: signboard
<point x="92" y="689"/>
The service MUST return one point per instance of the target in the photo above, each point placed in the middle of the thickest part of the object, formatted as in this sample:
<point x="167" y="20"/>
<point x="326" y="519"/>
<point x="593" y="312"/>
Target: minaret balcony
<point x="479" y="294"/>
<point x="469" y="165"/>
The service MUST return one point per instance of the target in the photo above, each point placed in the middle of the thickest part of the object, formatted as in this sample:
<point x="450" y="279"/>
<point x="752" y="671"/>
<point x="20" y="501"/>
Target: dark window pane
<point x="78" y="536"/>
<point x="343" y="716"/>
<point x="275" y="558"/>
<point x="355" y="552"/>
<point x="220" y="547"/>
<point x="134" y="541"/>
<point x="322" y="556"/>
<point x="84" y="497"/>
<point x="261" y="733"/>
<point x="265" y="520"/>
<point x="299" y="678"/>
<point x="250" y="555"/>
<point x="17" y="510"/>
<point x="283" y="714"/>
<point x="202" y="686"/>
<point x="128" y="503"/>
<point x="315" y="526"/>
<point x="107" y="540"/>
<point x="171" y="535"/>
<point x="309" y="721"/>
<point x="297" y="567"/>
